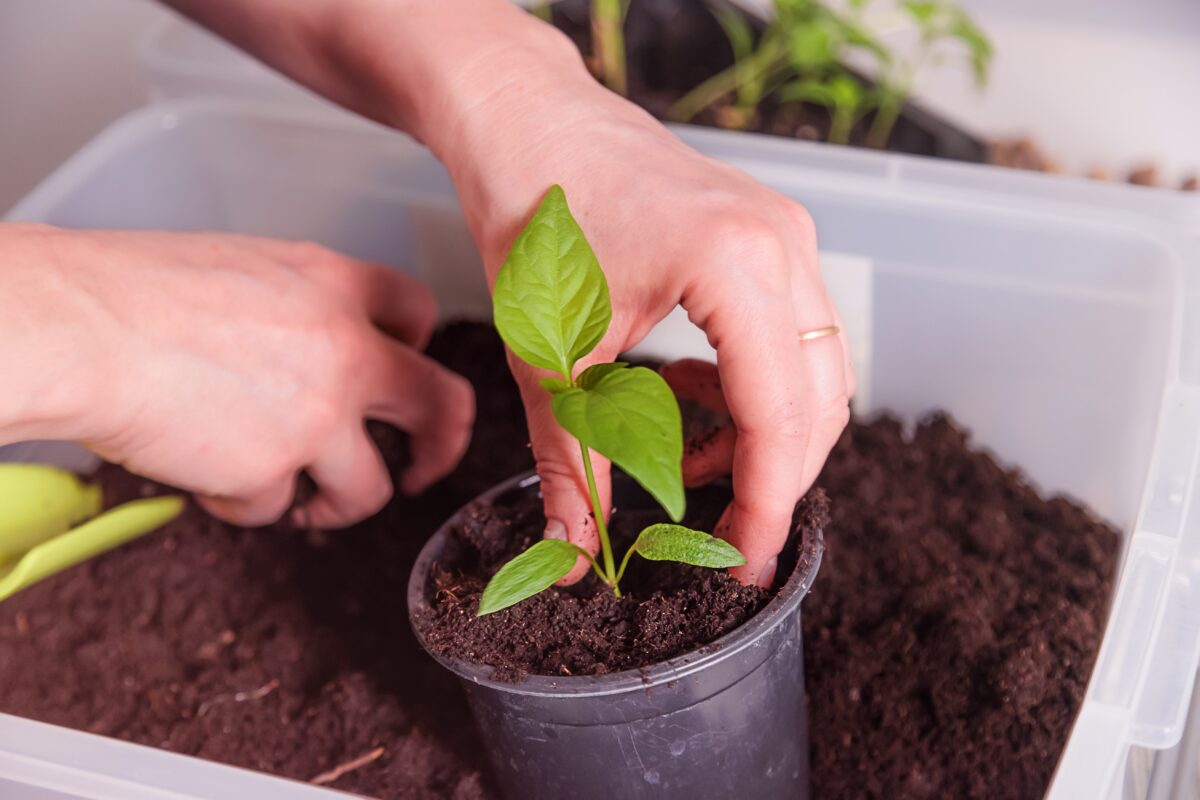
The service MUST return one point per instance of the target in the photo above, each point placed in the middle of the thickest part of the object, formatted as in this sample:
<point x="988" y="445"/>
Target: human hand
<point x="225" y="365"/>
<point x="506" y="103"/>
<point x="669" y="227"/>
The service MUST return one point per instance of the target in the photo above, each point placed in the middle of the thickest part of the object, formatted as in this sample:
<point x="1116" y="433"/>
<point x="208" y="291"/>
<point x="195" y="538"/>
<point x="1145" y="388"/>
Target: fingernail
<point x="555" y="529"/>
<point x="767" y="576"/>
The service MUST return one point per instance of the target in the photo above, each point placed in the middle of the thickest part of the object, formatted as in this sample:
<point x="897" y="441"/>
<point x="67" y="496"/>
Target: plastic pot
<point x="727" y="720"/>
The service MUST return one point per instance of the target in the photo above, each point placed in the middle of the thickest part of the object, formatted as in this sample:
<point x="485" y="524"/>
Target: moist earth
<point x="665" y="610"/>
<point x="948" y="637"/>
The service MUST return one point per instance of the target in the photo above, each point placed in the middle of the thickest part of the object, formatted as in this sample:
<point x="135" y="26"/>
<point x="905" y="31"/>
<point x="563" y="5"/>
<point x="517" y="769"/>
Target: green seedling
<point x="805" y="42"/>
<point x="841" y="94"/>
<point x="804" y="52"/>
<point x="608" y="35"/>
<point x="552" y="307"/>
<point x="938" y="22"/>
<point x="607" y="18"/>
<point x="38" y="507"/>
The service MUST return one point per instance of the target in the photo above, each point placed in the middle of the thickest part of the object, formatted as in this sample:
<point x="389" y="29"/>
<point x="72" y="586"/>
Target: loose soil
<point x="949" y="635"/>
<point x="665" y="610"/>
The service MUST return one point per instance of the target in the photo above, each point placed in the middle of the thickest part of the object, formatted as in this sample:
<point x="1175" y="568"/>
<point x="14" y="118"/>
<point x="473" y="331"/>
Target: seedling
<point x="844" y="97"/>
<point x="805" y="43"/>
<point x="607" y="18"/>
<point x="938" y="22"/>
<point x="804" y="52"/>
<point x="551" y="307"/>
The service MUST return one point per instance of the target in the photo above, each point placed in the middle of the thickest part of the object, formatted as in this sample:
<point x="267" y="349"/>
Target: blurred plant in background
<point x="806" y="52"/>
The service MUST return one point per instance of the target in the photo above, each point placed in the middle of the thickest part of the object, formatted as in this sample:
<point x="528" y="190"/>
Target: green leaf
<point x="666" y="542"/>
<point x="978" y="45"/>
<point x="535" y="570"/>
<point x="811" y="47"/>
<point x="629" y="415"/>
<point x="554" y="385"/>
<point x="550" y="301"/>
<point x="921" y="11"/>
<point x="593" y="375"/>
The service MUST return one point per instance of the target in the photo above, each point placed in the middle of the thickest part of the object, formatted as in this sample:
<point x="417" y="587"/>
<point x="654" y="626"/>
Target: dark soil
<point x="954" y="622"/>
<point x="949" y="635"/>
<point x="665" y="610"/>
<point x="674" y="45"/>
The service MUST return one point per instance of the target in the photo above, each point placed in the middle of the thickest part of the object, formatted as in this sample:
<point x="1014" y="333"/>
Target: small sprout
<point x="844" y="97"/>
<point x="803" y="56"/>
<point x="551" y="307"/>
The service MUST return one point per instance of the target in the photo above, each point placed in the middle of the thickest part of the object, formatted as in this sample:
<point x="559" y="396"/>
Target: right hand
<point x="226" y="364"/>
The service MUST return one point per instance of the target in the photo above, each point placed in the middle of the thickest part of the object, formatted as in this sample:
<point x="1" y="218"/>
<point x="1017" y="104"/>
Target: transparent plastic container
<point x="1059" y="320"/>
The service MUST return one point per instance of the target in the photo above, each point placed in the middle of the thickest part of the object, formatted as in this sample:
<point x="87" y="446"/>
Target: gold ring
<point x="820" y="333"/>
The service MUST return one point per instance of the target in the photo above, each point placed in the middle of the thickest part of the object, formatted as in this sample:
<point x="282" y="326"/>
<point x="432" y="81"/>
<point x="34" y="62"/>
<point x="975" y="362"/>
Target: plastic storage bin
<point x="1059" y="320"/>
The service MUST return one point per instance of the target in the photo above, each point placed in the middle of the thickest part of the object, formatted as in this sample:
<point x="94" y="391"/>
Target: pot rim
<point x="781" y="607"/>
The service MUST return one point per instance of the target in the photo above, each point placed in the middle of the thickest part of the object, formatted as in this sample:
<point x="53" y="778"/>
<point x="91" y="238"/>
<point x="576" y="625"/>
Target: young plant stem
<point x="842" y="124"/>
<point x="608" y="22"/>
<point x="764" y="63"/>
<point x="610" y="572"/>
<point x="885" y="120"/>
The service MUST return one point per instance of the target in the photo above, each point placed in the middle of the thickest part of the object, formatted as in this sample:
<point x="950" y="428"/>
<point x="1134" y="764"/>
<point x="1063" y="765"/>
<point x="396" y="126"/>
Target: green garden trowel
<point x="50" y="520"/>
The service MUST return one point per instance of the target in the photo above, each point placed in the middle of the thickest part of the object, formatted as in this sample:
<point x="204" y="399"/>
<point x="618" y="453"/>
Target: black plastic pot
<point x="729" y="720"/>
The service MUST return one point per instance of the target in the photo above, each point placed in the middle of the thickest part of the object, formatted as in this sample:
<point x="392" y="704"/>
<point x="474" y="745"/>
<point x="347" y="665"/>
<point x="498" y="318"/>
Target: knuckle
<point x="799" y="221"/>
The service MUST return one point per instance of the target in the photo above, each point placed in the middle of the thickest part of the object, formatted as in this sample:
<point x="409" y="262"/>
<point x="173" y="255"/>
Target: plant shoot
<point x="551" y="307"/>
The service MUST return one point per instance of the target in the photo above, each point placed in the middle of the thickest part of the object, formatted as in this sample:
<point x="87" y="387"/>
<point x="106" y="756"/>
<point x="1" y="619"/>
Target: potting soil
<point x="949" y="635"/>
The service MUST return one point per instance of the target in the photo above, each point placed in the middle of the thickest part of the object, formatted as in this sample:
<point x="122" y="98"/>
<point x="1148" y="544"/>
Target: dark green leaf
<point x="665" y="542"/>
<point x="550" y="300"/>
<point x="535" y="570"/>
<point x="631" y="416"/>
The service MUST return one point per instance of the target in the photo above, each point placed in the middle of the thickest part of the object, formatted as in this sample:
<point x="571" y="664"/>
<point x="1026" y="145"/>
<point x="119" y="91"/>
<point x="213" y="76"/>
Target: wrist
<point x="51" y="355"/>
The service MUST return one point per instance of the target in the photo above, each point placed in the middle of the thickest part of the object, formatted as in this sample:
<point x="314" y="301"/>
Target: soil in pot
<point x="674" y="45"/>
<point x="666" y="609"/>
<point x="949" y="635"/>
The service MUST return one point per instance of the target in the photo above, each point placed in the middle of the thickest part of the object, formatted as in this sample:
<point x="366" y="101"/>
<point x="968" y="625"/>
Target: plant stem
<point x="601" y="525"/>
<point x="608" y="18"/>
<point x="843" y="123"/>
<point x="885" y="120"/>
<point x="763" y="63"/>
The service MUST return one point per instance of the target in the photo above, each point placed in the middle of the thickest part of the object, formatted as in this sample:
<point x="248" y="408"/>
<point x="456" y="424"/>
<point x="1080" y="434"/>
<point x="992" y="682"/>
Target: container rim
<point x="781" y="607"/>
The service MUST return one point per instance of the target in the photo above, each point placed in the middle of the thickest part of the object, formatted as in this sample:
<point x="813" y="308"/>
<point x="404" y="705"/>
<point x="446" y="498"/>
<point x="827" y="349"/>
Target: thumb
<point x="568" y="505"/>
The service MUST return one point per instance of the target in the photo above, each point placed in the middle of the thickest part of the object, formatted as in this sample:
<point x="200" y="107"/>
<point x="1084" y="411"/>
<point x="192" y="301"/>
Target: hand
<point x="226" y="364"/>
<point x="669" y="227"/>
<point x="506" y="103"/>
